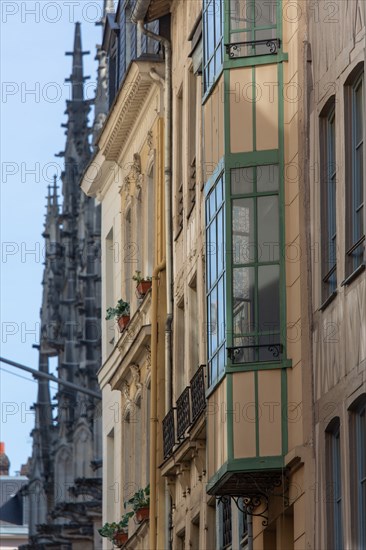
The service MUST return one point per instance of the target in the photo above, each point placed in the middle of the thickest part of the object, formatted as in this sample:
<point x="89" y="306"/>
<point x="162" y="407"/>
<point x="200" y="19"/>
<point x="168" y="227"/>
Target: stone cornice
<point x="117" y="129"/>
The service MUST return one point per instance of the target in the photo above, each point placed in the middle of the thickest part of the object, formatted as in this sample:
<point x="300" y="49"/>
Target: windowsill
<point x="353" y="275"/>
<point x="328" y="301"/>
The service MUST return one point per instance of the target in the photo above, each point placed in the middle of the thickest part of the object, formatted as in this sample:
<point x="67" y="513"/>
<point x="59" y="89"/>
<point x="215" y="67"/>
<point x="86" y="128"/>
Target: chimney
<point x="4" y="461"/>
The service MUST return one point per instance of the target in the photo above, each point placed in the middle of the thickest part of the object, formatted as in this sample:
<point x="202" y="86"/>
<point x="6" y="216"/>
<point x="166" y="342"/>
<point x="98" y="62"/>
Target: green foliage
<point x="122" y="308"/>
<point x="141" y="499"/>
<point x="109" y="530"/>
<point x="139" y="279"/>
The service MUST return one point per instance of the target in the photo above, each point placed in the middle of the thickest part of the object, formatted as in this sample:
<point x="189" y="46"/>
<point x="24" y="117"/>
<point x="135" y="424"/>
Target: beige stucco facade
<point x="240" y="458"/>
<point x="339" y="326"/>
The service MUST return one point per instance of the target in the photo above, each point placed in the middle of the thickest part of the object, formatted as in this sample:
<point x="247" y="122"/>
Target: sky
<point x="34" y="37"/>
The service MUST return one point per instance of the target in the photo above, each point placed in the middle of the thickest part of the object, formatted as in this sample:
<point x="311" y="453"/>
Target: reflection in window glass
<point x="268" y="229"/>
<point x="213" y="44"/>
<point x="243" y="231"/>
<point x="215" y="266"/>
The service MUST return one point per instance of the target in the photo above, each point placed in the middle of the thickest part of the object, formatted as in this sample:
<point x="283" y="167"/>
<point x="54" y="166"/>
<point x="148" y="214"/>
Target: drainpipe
<point x="138" y="17"/>
<point x="153" y="400"/>
<point x="168" y="202"/>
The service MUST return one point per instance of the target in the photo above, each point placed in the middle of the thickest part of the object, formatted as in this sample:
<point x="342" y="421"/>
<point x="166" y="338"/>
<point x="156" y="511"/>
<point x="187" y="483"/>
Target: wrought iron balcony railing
<point x="168" y="433"/>
<point x="198" y="397"/>
<point x="245" y="49"/>
<point x="183" y="413"/>
<point x="190" y="405"/>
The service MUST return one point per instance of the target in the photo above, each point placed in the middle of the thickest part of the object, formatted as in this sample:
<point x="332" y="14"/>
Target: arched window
<point x="334" y="485"/>
<point x="355" y="151"/>
<point x="358" y="471"/>
<point x="328" y="199"/>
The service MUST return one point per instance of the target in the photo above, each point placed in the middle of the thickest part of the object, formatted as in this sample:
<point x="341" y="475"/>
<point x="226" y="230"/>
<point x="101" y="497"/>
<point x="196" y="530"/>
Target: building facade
<point x="336" y="106"/>
<point x="65" y="483"/>
<point x="230" y="170"/>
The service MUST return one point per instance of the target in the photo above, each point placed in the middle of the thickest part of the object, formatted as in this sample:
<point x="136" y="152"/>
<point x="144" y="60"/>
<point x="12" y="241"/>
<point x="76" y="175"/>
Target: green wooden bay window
<point x="253" y="246"/>
<point x="255" y="264"/>
<point x="215" y="239"/>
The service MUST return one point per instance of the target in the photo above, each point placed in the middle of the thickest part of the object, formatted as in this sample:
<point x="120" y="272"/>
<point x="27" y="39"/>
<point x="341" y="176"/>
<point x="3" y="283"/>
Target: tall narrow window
<point x="334" y="486"/>
<point x="150" y="225"/>
<point x="358" y="472"/>
<point x="180" y="152"/>
<point x="109" y="287"/>
<point x="130" y="255"/>
<point x="225" y="528"/>
<point x="213" y="13"/>
<point x="255" y="264"/>
<point x="192" y="128"/>
<point x="215" y="281"/>
<point x="355" y="114"/>
<point x="328" y="200"/>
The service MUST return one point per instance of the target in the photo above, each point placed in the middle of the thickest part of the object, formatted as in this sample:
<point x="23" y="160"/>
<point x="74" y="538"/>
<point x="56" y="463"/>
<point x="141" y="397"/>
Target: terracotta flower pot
<point x="120" y="538"/>
<point x="142" y="514"/>
<point x="123" y="322"/>
<point x="143" y="287"/>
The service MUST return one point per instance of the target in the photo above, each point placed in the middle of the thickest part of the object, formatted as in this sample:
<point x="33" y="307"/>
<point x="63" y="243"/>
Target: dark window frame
<point x="354" y="181"/>
<point x="328" y="199"/>
<point x="334" y="485"/>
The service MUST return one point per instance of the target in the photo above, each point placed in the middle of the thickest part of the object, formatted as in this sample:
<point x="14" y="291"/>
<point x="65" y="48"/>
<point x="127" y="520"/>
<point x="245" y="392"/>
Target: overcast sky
<point x="34" y="38"/>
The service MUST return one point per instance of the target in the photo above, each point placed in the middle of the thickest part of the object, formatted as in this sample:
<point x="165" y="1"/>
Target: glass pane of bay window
<point x="241" y="14"/>
<point x="265" y="13"/>
<point x="242" y="180"/>
<point x="243" y="300"/>
<point x="268" y="229"/>
<point x="267" y="178"/>
<point x="243" y="231"/>
<point x="269" y="298"/>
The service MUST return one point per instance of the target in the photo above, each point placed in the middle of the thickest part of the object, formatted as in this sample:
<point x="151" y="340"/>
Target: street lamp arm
<point x="39" y="374"/>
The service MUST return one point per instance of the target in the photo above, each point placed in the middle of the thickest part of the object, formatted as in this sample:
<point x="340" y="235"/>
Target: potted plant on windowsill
<point x="141" y="504"/>
<point x="121" y="312"/>
<point x="116" y="532"/>
<point x="143" y="284"/>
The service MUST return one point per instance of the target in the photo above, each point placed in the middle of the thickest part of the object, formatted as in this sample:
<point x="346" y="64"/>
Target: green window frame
<point x="213" y="32"/>
<point x="334" y="484"/>
<point x="215" y="281"/>
<point x="354" y="139"/>
<point x="256" y="270"/>
<point x="253" y="27"/>
<point x="328" y="200"/>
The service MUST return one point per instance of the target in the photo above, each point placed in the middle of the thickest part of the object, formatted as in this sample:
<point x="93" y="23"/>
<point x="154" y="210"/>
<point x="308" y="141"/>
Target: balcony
<point x="189" y="407"/>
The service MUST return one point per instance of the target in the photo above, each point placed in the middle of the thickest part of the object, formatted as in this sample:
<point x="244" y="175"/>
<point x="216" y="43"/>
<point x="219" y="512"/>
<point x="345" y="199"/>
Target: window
<point x="180" y="152"/>
<point x="354" y="113"/>
<point x="253" y="22"/>
<point x="358" y="472"/>
<point x="255" y="264"/>
<point x="334" y="486"/>
<point x="213" y="45"/>
<point x="109" y="287"/>
<point x="328" y="200"/>
<point x="192" y="126"/>
<point x="225" y="523"/>
<point x="215" y="268"/>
